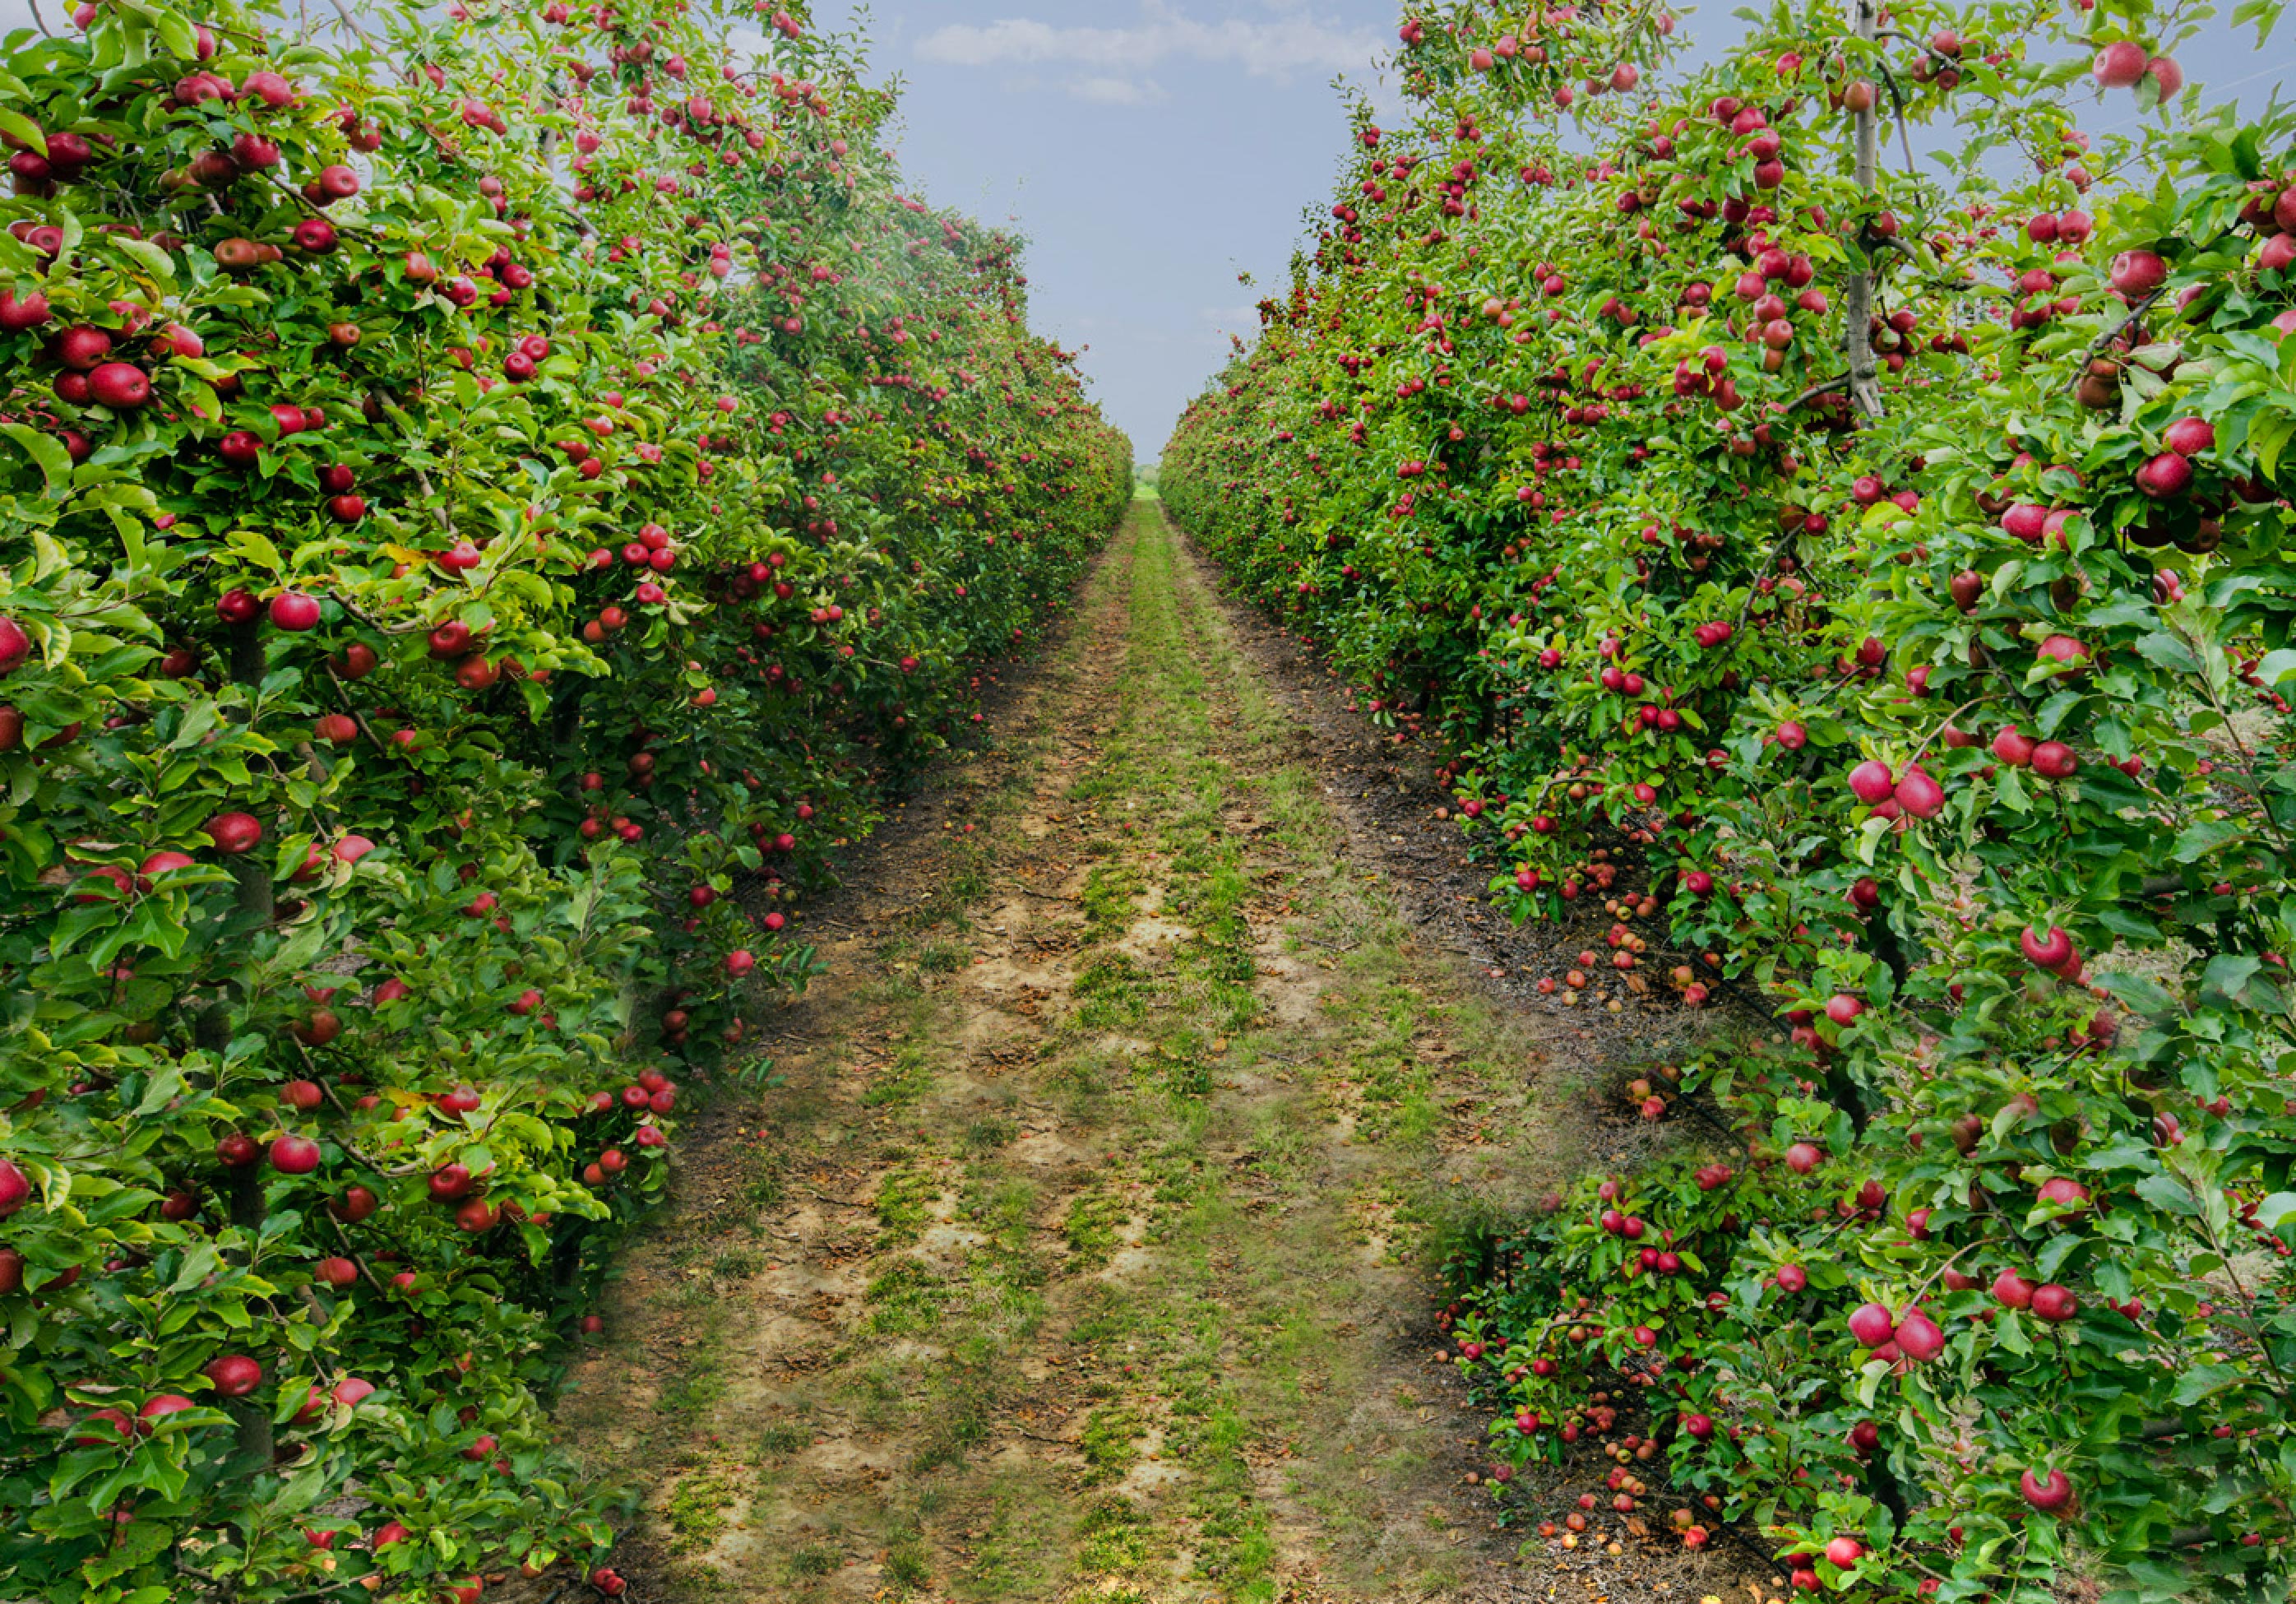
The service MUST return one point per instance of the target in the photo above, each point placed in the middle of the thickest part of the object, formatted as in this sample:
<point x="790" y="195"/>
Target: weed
<point x="1113" y="991"/>
<point x="783" y="1438"/>
<point x="906" y="1081"/>
<point x="1090" y="1227"/>
<point x="696" y="1511"/>
<point x="1117" y="1538"/>
<point x="814" y="1560"/>
<point x="909" y="1299"/>
<point x="1108" y="1442"/>
<point x="902" y="1203"/>
<point x="907" y="1565"/>
<point x="1108" y="898"/>
<point x="986" y="1136"/>
<point x="942" y="958"/>
<point x="738" y="1263"/>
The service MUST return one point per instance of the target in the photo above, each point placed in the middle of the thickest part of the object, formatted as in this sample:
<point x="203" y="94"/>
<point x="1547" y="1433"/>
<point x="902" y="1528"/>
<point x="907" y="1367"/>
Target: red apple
<point x="1920" y="794"/>
<point x="2138" y="273"/>
<point x="1872" y="783"/>
<point x="1870" y="1325"/>
<point x="2048" y="1493"/>
<point x="235" y="1375"/>
<point x="2190" y="436"/>
<point x="2165" y="476"/>
<point x="2053" y="950"/>
<point x="15" y="1188"/>
<point x="291" y="610"/>
<point x="2055" y="1304"/>
<point x="1919" y="1337"/>
<point x="121" y="386"/>
<point x="2055" y="760"/>
<point x="294" y="1155"/>
<point x="18" y="315"/>
<point x="2014" y="748"/>
<point x="234" y="833"/>
<point x="2119" y="65"/>
<point x="356" y="1204"/>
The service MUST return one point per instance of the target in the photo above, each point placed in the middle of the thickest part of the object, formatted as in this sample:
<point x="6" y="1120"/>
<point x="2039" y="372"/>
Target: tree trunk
<point x="1857" y="298"/>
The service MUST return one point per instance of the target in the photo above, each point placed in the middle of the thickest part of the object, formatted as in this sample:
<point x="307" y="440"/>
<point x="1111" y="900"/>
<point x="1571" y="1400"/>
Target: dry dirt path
<point x="1074" y="1253"/>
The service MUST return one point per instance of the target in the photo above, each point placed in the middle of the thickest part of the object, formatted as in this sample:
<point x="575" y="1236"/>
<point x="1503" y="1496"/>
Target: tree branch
<point x="1839" y="381"/>
<point x="344" y="11"/>
<point x="1898" y="101"/>
<point x="2115" y="332"/>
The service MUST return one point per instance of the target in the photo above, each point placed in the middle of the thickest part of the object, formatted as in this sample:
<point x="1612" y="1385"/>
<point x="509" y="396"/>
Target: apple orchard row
<point x="1858" y="588"/>
<point x="489" y="503"/>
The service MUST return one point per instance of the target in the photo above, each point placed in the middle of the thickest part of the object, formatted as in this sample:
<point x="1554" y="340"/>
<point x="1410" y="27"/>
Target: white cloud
<point x="1275" y="50"/>
<point x="1117" y="92"/>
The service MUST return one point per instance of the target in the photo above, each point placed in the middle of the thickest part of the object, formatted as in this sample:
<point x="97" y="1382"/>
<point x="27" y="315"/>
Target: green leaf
<point x="2228" y="973"/>
<point x="153" y="260"/>
<point x="2142" y="996"/>
<point x="47" y="453"/>
<point x="2267" y="438"/>
<point x="2166" y="1192"/>
<point x="2277" y="1210"/>
<point x="256" y="548"/>
<point x="24" y="130"/>
<point x="2201" y="837"/>
<point x="2201" y="1380"/>
<point x="2166" y="650"/>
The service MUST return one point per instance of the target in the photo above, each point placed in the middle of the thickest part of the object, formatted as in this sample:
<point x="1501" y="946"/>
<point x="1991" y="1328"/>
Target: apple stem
<point x="439" y="512"/>
<point x="1785" y="542"/>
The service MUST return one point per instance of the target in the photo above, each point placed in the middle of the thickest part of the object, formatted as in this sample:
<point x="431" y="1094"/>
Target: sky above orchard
<point x="1152" y="151"/>
<point x="1151" y="154"/>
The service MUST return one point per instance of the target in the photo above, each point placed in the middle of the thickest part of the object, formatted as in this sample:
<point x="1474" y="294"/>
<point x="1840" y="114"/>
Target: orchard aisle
<point x="1064" y="1260"/>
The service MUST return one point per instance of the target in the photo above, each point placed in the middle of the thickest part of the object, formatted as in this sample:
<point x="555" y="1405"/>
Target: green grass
<point x="908" y="1300"/>
<point x="1107" y="1444"/>
<point x="1090" y="1227"/>
<point x="696" y="1513"/>
<point x="814" y="1560"/>
<point x="904" y="1084"/>
<point x="902" y="1204"/>
<point x="1117" y="1538"/>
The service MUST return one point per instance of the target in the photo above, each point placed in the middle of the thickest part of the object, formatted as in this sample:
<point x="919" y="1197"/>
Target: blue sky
<point x="1149" y="151"/>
